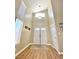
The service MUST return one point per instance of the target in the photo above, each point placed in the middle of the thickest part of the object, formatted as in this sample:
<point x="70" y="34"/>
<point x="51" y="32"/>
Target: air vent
<point x="26" y="27"/>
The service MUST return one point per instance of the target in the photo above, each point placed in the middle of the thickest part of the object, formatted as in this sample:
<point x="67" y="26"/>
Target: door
<point x="40" y="36"/>
<point x="36" y="36"/>
<point x="43" y="36"/>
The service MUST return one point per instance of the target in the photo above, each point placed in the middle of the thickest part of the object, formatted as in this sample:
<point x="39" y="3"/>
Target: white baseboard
<point x="27" y="46"/>
<point x="39" y="44"/>
<point x="61" y="53"/>
<point x="22" y="49"/>
<point x="58" y="51"/>
<point x="32" y="44"/>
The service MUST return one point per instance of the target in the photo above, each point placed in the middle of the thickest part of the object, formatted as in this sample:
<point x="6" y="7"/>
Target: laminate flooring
<point x="39" y="52"/>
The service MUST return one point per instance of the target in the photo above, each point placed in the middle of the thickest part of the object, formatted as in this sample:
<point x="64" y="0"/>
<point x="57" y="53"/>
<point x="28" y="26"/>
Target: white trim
<point x="58" y="51"/>
<point x="35" y="44"/>
<point x="61" y="53"/>
<point x="41" y="44"/>
<point x="22" y="49"/>
<point x="26" y="47"/>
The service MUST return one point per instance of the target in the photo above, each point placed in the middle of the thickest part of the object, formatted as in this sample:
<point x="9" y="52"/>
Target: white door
<point x="43" y="36"/>
<point x="40" y="36"/>
<point x="36" y="36"/>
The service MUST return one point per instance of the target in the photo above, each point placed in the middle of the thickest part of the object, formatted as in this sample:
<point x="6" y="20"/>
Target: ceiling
<point x="38" y="5"/>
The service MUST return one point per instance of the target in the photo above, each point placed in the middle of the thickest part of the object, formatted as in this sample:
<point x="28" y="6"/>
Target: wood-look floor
<point x="39" y="52"/>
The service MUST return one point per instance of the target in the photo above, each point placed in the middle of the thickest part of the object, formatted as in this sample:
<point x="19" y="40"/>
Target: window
<point x="40" y="15"/>
<point x="18" y="29"/>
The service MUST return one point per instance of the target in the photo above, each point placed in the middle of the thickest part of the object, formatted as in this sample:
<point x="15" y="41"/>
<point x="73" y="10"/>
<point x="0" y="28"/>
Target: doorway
<point x="40" y="36"/>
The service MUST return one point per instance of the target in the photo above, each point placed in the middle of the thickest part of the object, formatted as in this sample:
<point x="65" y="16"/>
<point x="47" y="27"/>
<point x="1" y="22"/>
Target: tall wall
<point x="52" y="26"/>
<point x="26" y="19"/>
<point x="57" y="6"/>
<point x="44" y="23"/>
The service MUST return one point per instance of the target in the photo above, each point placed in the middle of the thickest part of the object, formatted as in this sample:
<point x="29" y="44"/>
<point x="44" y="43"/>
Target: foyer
<point x="39" y="29"/>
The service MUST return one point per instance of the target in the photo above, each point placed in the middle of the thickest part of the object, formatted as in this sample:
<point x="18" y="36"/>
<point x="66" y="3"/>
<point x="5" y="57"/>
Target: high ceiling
<point x="38" y="5"/>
